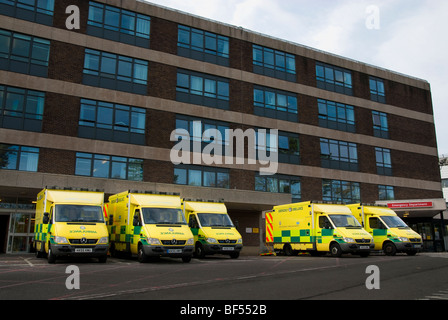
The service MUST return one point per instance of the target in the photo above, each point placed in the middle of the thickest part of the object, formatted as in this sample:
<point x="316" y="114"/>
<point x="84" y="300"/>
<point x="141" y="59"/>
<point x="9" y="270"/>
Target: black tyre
<point x="389" y="249"/>
<point x="335" y="250"/>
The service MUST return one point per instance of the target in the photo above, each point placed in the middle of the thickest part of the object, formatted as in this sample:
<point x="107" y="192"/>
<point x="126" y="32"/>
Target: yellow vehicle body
<point x="389" y="232"/>
<point x="70" y="223"/>
<point x="213" y="230"/>
<point x="149" y="226"/>
<point x="316" y="228"/>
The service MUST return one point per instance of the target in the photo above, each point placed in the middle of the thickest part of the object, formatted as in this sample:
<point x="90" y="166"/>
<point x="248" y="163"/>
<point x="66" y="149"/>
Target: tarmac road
<point x="248" y="278"/>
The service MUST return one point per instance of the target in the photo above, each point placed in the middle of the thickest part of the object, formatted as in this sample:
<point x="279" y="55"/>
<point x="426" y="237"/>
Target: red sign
<point x="410" y="205"/>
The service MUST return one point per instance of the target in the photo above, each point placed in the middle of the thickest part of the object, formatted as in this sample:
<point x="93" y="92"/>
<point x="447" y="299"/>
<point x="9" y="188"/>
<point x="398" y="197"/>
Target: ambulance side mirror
<point x="46" y="218"/>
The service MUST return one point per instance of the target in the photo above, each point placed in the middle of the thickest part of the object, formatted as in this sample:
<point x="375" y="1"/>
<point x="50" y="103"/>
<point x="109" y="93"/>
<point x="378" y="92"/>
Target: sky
<point x="406" y="36"/>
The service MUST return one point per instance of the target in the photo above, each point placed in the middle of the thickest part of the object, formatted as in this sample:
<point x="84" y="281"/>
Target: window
<point x="341" y="191"/>
<point x="196" y="128"/>
<point x="275" y="104"/>
<point x="40" y="11"/>
<point x="112" y="122"/>
<point x="339" y="155"/>
<point x="202" y="176"/>
<point x="24" y="54"/>
<point x="274" y="63"/>
<point x="377" y="92"/>
<point x="18" y="158"/>
<point x="383" y="161"/>
<point x="279" y="184"/>
<point x="286" y="144"/>
<point x="21" y="109"/>
<point x="334" y="115"/>
<point x="201" y="45"/>
<point x="109" y="167"/>
<point x="380" y="125"/>
<point x="334" y="78"/>
<point x="197" y="88"/>
<point x="111" y="71"/>
<point x="386" y="193"/>
<point x="118" y="24"/>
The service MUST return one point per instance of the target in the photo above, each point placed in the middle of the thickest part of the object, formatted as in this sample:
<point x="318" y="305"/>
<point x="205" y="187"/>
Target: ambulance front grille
<point x="173" y="242"/>
<point x="362" y="240"/>
<point x="86" y="241"/>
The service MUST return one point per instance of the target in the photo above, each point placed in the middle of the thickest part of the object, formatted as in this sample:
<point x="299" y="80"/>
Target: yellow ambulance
<point x="212" y="228"/>
<point x="148" y="225"/>
<point x="389" y="232"/>
<point x="70" y="223"/>
<point x="316" y="228"/>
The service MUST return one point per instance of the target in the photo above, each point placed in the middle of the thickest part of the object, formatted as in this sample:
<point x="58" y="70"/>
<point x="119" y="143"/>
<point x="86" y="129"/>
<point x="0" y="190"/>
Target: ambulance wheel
<point x="51" y="256"/>
<point x="186" y="259"/>
<point x="102" y="259"/>
<point x="287" y="249"/>
<point x="389" y="249"/>
<point x="234" y="255"/>
<point x="335" y="250"/>
<point x="199" y="251"/>
<point x="141" y="256"/>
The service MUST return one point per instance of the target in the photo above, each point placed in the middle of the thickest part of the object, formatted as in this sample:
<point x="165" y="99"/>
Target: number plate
<point x="174" y="250"/>
<point x="228" y="248"/>
<point x="417" y="246"/>
<point x="364" y="247"/>
<point x="83" y="250"/>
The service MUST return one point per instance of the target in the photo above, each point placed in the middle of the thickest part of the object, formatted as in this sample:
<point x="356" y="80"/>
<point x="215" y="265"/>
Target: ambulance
<point x="389" y="232"/>
<point x="70" y="223"/>
<point x="213" y="230"/>
<point x="148" y="225"/>
<point x="316" y="228"/>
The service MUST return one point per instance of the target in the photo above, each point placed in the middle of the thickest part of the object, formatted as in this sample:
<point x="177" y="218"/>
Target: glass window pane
<point x="209" y="179"/>
<point x="194" y="177"/>
<point x="118" y="170"/>
<point x="180" y="176"/>
<point x="101" y="168"/>
<point x="83" y="167"/>
<point x="222" y="180"/>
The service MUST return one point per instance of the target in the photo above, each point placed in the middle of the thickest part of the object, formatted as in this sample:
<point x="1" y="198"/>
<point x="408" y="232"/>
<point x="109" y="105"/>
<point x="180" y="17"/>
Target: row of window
<point x="121" y="123"/>
<point x="125" y="26"/>
<point x="117" y="72"/>
<point x="112" y="167"/>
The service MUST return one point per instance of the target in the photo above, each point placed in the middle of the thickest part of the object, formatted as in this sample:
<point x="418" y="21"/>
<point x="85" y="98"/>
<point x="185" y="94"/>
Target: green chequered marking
<point x="379" y="232"/>
<point x="293" y="236"/>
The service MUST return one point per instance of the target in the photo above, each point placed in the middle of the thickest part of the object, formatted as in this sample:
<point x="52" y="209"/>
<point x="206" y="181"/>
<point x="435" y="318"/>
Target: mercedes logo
<point x="173" y="242"/>
<point x="227" y="241"/>
<point x="83" y="240"/>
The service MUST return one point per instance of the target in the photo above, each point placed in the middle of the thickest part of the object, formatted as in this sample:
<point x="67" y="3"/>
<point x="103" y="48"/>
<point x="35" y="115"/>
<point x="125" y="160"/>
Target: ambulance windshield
<point x="78" y="213"/>
<point x="163" y="216"/>
<point x="394" y="222"/>
<point x="344" y="221"/>
<point x="215" y="220"/>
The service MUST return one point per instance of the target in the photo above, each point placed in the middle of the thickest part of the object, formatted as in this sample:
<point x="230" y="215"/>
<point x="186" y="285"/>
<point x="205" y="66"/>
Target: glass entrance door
<point x="21" y="231"/>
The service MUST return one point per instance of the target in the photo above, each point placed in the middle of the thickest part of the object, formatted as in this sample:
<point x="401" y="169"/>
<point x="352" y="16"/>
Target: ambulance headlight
<point x="60" y="240"/>
<point x="190" y="241"/>
<point x="153" y="241"/>
<point x="103" y="240"/>
<point x="240" y="240"/>
<point x="348" y="240"/>
<point x="212" y="240"/>
<point x="403" y="239"/>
